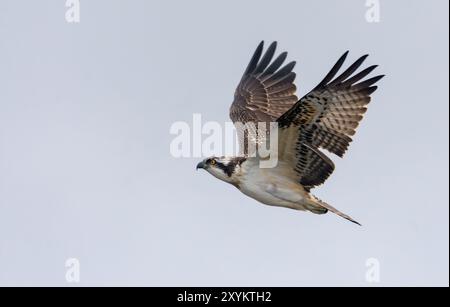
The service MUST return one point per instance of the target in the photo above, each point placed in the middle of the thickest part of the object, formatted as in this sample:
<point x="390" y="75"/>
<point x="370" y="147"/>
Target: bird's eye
<point x="212" y="162"/>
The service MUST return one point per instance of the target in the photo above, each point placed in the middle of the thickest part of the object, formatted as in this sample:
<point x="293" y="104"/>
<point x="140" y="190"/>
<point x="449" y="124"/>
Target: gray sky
<point x="86" y="172"/>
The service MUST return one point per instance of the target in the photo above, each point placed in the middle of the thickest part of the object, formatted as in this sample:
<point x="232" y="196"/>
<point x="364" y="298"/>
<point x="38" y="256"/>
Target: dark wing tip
<point x="255" y="59"/>
<point x="260" y="47"/>
<point x="349" y="71"/>
<point x="291" y="64"/>
<point x="276" y="64"/>
<point x="334" y="70"/>
<point x="343" y="57"/>
<point x="355" y="78"/>
<point x="364" y="57"/>
<point x="266" y="59"/>
<point x="283" y="55"/>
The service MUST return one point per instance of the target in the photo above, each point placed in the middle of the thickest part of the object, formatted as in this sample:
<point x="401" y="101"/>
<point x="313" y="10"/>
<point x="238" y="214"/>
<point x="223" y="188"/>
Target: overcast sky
<point x="86" y="171"/>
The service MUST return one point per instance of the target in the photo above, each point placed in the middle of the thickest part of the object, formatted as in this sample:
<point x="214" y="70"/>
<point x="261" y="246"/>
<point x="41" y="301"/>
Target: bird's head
<point x="224" y="168"/>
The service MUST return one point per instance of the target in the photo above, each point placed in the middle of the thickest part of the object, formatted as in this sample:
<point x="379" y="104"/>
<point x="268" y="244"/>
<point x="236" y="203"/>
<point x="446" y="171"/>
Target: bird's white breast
<point x="270" y="186"/>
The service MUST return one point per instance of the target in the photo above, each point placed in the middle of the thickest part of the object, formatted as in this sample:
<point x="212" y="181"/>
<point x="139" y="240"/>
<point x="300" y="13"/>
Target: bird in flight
<point x="324" y="119"/>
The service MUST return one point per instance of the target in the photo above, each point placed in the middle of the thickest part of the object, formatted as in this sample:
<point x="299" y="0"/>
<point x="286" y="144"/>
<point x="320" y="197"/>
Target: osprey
<point x="326" y="118"/>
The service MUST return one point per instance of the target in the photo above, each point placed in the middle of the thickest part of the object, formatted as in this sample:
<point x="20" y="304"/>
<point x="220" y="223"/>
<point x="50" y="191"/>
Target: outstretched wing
<point x="265" y="92"/>
<point x="325" y="118"/>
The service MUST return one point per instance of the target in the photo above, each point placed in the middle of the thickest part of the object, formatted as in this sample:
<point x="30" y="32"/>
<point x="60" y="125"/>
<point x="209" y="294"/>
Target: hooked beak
<point x="201" y="165"/>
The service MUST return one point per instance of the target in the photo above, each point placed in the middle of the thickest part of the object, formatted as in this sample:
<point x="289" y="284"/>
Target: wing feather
<point x="265" y="92"/>
<point x="325" y="118"/>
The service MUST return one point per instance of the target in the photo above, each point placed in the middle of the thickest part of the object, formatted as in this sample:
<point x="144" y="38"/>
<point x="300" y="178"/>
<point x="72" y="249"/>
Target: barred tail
<point x="323" y="207"/>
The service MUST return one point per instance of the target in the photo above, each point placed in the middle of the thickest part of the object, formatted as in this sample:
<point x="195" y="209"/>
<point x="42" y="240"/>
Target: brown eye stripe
<point x="230" y="167"/>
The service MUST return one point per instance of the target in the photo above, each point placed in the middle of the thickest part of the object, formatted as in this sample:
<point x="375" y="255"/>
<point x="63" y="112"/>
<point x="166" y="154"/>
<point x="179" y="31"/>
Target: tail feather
<point x="324" y="206"/>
